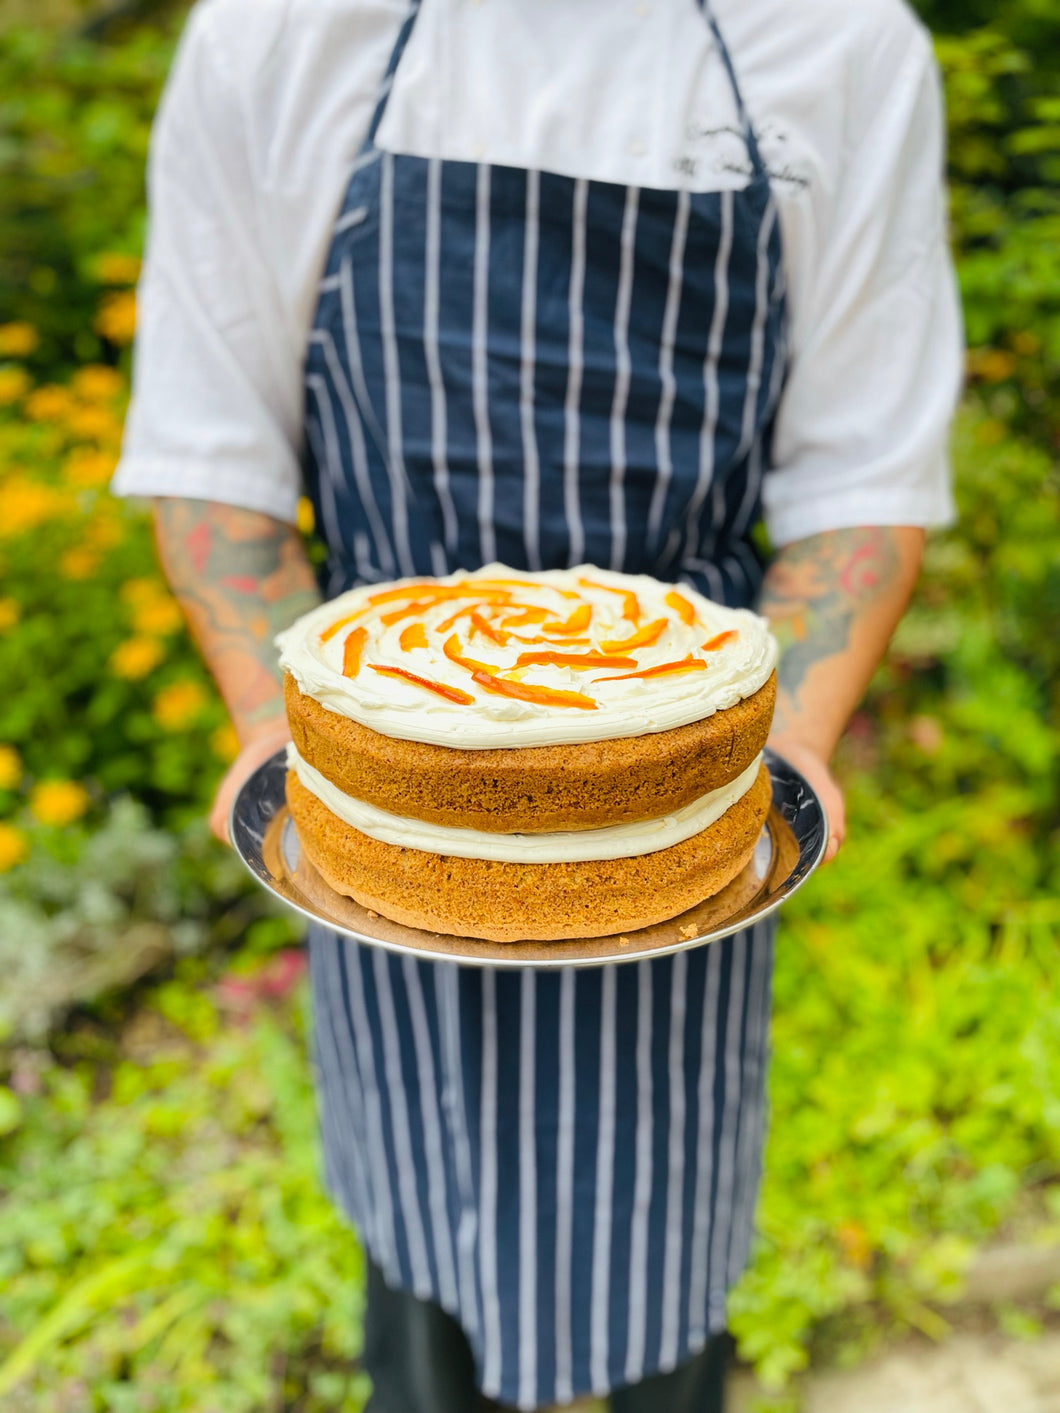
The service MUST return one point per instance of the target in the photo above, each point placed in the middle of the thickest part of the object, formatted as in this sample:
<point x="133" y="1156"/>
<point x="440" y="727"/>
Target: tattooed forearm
<point x="833" y="601"/>
<point x="240" y="577"/>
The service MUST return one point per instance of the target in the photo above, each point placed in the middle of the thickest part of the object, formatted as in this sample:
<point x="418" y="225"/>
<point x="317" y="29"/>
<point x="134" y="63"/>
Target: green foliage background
<point x="164" y="1240"/>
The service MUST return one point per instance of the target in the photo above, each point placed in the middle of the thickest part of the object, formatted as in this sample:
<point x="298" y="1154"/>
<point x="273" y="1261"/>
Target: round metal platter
<point x="791" y="845"/>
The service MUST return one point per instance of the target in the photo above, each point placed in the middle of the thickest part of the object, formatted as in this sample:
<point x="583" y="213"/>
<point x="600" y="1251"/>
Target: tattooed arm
<point x="240" y="577"/>
<point x="833" y="601"/>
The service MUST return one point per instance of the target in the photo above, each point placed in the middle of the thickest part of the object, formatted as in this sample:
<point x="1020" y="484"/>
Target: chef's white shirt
<point x="267" y="106"/>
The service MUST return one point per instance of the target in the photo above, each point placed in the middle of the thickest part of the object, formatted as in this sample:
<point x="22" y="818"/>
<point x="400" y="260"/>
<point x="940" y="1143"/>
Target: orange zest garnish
<point x="525" y="617"/>
<point x="573" y="660"/>
<point x="414" y="636"/>
<point x="631" y="604"/>
<point x="719" y="641"/>
<point x="451" y="694"/>
<point x="567" y="642"/>
<point x="479" y="624"/>
<point x="642" y="638"/>
<point x="340" y="623"/>
<point x="687" y="664"/>
<point x="406" y="611"/>
<point x="576" y="623"/>
<point x="681" y="606"/>
<point x="522" y="691"/>
<point x="451" y="648"/>
<point x="351" y="652"/>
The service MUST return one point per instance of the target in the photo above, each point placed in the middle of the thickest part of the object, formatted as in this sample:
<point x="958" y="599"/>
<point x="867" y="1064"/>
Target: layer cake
<point x="504" y="755"/>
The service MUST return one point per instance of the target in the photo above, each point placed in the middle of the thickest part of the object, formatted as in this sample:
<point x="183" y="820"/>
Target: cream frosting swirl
<point x="613" y="841"/>
<point x="473" y="660"/>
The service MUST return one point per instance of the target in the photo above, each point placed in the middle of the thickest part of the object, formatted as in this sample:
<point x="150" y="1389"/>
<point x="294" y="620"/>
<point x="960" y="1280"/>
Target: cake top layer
<point x="499" y="658"/>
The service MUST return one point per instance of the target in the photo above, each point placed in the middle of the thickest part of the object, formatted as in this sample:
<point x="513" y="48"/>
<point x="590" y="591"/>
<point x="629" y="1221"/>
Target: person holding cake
<point x="515" y="291"/>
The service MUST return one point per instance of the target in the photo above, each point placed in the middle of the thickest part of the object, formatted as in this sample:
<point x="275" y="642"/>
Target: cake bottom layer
<point x="513" y="902"/>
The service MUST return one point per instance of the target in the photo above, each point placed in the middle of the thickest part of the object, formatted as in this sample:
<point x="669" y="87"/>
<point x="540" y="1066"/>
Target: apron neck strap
<point x="708" y="14"/>
<point x="750" y="140"/>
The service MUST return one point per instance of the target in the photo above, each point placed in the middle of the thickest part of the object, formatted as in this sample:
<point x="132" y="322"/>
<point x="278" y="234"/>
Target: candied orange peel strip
<point x="414" y="636"/>
<point x="451" y="648"/>
<point x="578" y="660"/>
<point x="719" y="640"/>
<point x="525" y="616"/>
<point x="417" y="609"/>
<point x="524" y="692"/>
<point x="341" y="623"/>
<point x="631" y="604"/>
<point x="576" y="623"/>
<point x="351" y="652"/>
<point x="642" y="638"/>
<point x="680" y="606"/>
<point x="687" y="664"/>
<point x="479" y="624"/>
<point x="451" y="694"/>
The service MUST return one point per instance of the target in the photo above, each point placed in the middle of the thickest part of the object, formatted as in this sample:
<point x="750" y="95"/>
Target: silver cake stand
<point x="791" y="845"/>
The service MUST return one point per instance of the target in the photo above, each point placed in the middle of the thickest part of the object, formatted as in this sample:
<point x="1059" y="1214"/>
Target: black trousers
<point x="419" y="1361"/>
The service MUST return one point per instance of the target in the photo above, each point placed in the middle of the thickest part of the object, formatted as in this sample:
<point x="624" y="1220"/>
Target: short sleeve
<point x="861" y="436"/>
<point x="216" y="411"/>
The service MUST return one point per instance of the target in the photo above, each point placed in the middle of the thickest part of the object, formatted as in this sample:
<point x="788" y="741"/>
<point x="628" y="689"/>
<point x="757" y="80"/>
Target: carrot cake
<point x="505" y="755"/>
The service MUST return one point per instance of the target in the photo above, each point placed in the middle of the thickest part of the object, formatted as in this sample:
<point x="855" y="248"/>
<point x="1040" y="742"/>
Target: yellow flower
<point x="9" y="614"/>
<point x="306" y="517"/>
<point x="103" y="532"/>
<point x="49" y="404"/>
<point x="26" y="504"/>
<point x="78" y="563"/>
<point x="993" y="365"/>
<point x="89" y="469"/>
<point x="18" y="340"/>
<point x="136" y="657"/>
<point x="117" y="269"/>
<point x="96" y="424"/>
<point x="135" y="592"/>
<point x="178" y="705"/>
<point x="10" y="767"/>
<point x="1026" y="343"/>
<point x="13" y="847"/>
<point x="116" y="319"/>
<point x="225" y="743"/>
<point x="58" y="801"/>
<point x="97" y="383"/>
<point x="157" y="616"/>
<point x="14" y="384"/>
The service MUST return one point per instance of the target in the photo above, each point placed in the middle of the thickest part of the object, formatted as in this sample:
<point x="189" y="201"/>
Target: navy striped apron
<point x="517" y="365"/>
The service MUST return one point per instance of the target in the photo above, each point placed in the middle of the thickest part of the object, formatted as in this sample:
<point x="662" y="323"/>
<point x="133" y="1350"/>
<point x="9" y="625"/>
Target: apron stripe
<point x="395" y="464"/>
<point x="755" y="1051"/>
<point x="754" y="370"/>
<point x="480" y="385"/>
<point x="732" y="1040"/>
<point x="324" y="427"/>
<point x="435" y="1156"/>
<point x="605" y="1154"/>
<point x="491" y="1307"/>
<point x="575" y="354"/>
<point x="675" y="1178"/>
<point x="715" y="342"/>
<point x="663" y="455"/>
<point x="642" y="1184"/>
<point x="527" y="1192"/>
<point x="432" y="280"/>
<point x="454" y="1103"/>
<point x="701" y="1207"/>
<point x="622" y="376"/>
<point x="564" y="1389"/>
<point x="527" y="354"/>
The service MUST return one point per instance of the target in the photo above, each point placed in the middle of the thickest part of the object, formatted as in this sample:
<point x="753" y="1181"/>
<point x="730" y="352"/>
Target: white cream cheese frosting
<point x="475" y="628"/>
<point x="614" y="841"/>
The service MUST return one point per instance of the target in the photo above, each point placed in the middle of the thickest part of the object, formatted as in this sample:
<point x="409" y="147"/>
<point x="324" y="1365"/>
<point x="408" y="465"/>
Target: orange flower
<point x="136" y="592"/>
<point x="97" y="424"/>
<point x="28" y="504"/>
<point x="9" y="614"/>
<point x="10" y="767"/>
<point x="90" y="469"/>
<point x="225" y="743"/>
<point x="161" y="616"/>
<point x="136" y="657"/>
<point x="13" y="847"/>
<point x="59" y="802"/>
<point x="78" y="563"/>
<point x="49" y="404"/>
<point x="18" y="340"/>
<point x="96" y="382"/>
<point x="177" y="706"/>
<point x="14" y="384"/>
<point x="116" y="319"/>
<point x="115" y="268"/>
